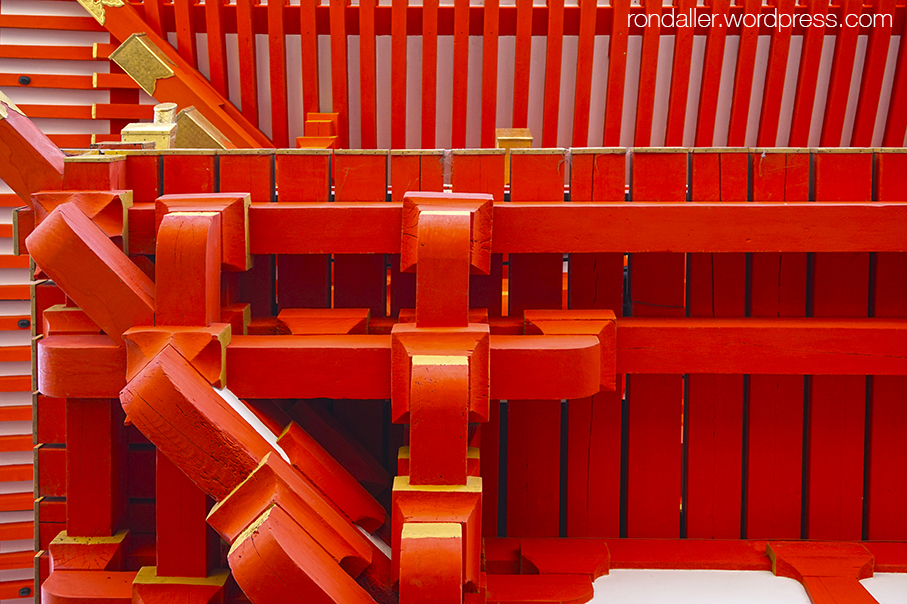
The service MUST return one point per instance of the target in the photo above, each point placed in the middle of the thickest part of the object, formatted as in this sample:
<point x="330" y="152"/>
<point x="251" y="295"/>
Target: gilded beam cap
<point x="165" y="113"/>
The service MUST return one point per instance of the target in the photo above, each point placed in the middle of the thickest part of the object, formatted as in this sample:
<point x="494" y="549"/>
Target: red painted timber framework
<point x="272" y="349"/>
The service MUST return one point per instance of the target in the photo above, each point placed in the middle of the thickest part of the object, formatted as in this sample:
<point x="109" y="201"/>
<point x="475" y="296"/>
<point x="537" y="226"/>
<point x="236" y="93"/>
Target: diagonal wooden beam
<point x="164" y="74"/>
<point x="30" y="161"/>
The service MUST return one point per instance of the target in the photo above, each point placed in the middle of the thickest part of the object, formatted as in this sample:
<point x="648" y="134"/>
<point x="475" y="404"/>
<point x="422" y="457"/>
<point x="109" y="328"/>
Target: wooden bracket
<point x="830" y="572"/>
<point x="109" y="210"/>
<point x="205" y="348"/>
<point x="600" y="323"/>
<point x="470" y="343"/>
<point x="234" y="212"/>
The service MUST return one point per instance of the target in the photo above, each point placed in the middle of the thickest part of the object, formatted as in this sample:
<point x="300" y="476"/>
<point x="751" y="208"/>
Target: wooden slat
<point x="716" y="285"/>
<point x="617" y="70"/>
<point x="398" y="74"/>
<point x="429" y="72"/>
<point x="489" y="74"/>
<point x="460" y="74"/>
<point x="648" y="70"/>
<point x="489" y="468"/>
<point x="521" y="67"/>
<point x="711" y="76"/>
<point x="10" y="200"/>
<point x="73" y="112"/>
<point x="482" y="173"/>
<point x="553" y="55"/>
<point x="277" y="56"/>
<point x="14" y="589"/>
<point x="533" y="468"/>
<point x="249" y="172"/>
<point x="837" y="404"/>
<point x="309" y="51"/>
<point x="360" y="279"/>
<point x="14" y="292"/>
<point x="810" y="58"/>
<point x="410" y="171"/>
<point x="17" y="560"/>
<point x="142" y="174"/>
<point x="185" y="31"/>
<point x="303" y="280"/>
<point x="257" y="286"/>
<point x="119" y="96"/>
<point x="248" y="70"/>
<point x="367" y="85"/>
<point x="774" y="80"/>
<point x="16" y="502"/>
<point x="12" y="322"/>
<point x="15" y="473"/>
<point x="114" y="80"/>
<point x="896" y="125"/>
<point x="13" y="354"/>
<point x="841" y="72"/>
<point x="680" y="80"/>
<point x="55" y="24"/>
<point x="873" y="74"/>
<point x="188" y="174"/>
<point x="19" y="413"/>
<point x="13" y="261"/>
<point x="15" y="442"/>
<point x="52" y="53"/>
<point x="655" y="402"/>
<point x="594" y="424"/>
<point x="61" y="82"/>
<point x="775" y="437"/>
<point x="123" y="111"/>
<point x="15" y="383"/>
<point x="154" y="15"/>
<point x="340" y="98"/>
<point x="535" y="280"/>
<point x="743" y="78"/>
<point x="887" y="493"/>
<point x="583" y="88"/>
<point x="217" y="46"/>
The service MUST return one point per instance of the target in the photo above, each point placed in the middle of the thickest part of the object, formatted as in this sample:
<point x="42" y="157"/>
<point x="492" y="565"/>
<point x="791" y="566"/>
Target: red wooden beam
<point x="546" y="227"/>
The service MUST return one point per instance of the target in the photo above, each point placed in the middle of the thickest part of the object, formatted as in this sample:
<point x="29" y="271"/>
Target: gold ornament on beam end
<point x="97" y="8"/>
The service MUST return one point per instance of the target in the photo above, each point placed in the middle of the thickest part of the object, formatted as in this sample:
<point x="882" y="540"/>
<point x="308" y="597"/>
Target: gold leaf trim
<point x="96" y="8"/>
<point x="6" y="103"/>
<point x="143" y="61"/>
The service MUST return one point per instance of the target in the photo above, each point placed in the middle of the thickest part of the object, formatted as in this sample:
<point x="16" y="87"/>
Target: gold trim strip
<point x="5" y="104"/>
<point x="432" y="530"/>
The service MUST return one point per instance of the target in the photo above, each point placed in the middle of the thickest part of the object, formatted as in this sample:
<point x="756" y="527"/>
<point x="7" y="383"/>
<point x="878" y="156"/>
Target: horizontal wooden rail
<point x="709" y="554"/>
<point x="17" y="502"/>
<point x="51" y="53"/>
<point x="535" y="366"/>
<point x="16" y="560"/>
<point x="289" y="228"/>
<point x="762" y="346"/>
<point x="55" y="24"/>
<point x="18" y="413"/>
<point x="649" y="346"/>
<point x="10" y="590"/>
